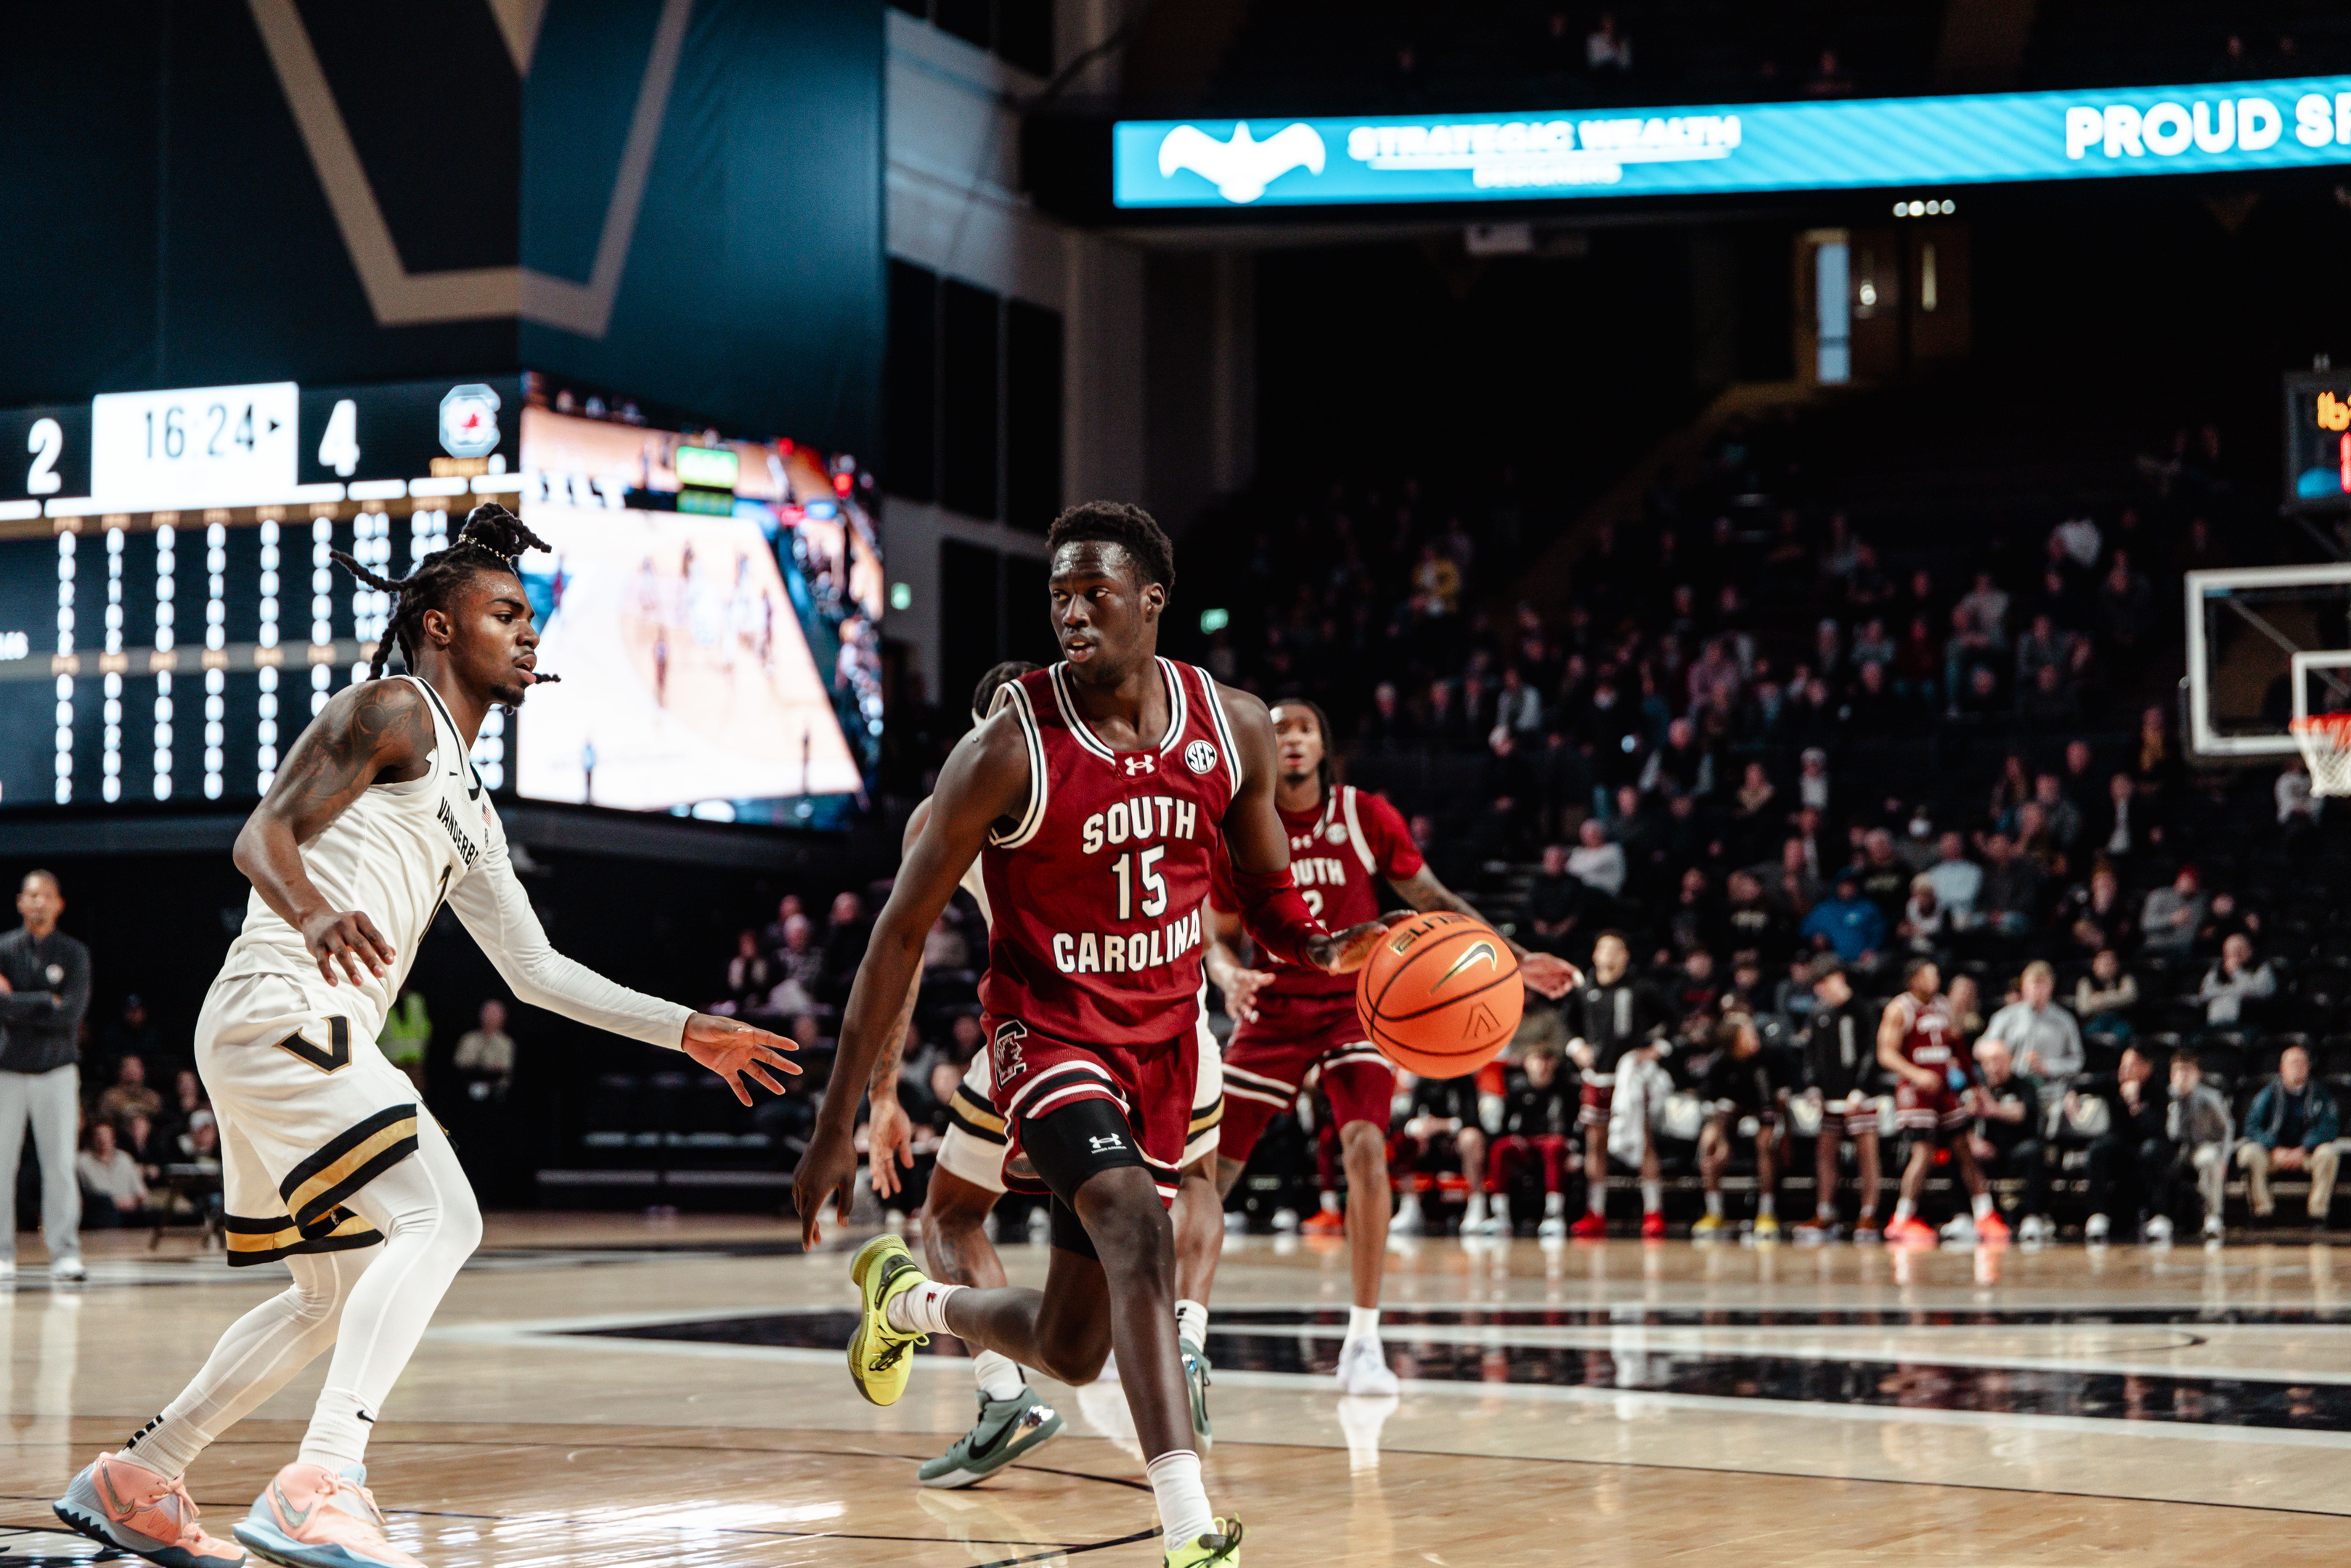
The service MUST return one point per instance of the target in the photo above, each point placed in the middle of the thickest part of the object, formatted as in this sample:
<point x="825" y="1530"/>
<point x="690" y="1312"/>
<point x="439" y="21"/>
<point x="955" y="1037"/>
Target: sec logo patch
<point x="1200" y="757"/>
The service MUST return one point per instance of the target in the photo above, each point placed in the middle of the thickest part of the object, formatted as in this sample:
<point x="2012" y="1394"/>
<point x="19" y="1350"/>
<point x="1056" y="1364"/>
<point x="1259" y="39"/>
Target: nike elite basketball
<point x="1441" y="995"/>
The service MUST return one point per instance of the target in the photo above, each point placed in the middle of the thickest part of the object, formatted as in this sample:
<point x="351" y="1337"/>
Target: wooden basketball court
<point x="611" y="1390"/>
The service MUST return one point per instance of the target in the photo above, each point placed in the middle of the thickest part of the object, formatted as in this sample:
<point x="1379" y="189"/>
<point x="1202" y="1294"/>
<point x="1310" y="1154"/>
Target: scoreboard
<point x="169" y="615"/>
<point x="2318" y="440"/>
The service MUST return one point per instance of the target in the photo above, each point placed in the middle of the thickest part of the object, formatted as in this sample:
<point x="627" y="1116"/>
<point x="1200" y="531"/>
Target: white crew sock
<point x="1554" y="1205"/>
<point x="1184" y="1512"/>
<point x="1714" y="1205"/>
<point x="1826" y="1213"/>
<point x="1192" y="1321"/>
<point x="1000" y="1376"/>
<point x="1904" y="1209"/>
<point x="1653" y="1196"/>
<point x="923" y="1310"/>
<point x="1595" y="1197"/>
<point x="1476" y="1211"/>
<point x="259" y="1354"/>
<point x="1767" y="1206"/>
<point x="424" y="1207"/>
<point x="1330" y="1203"/>
<point x="1363" y="1322"/>
<point x="1981" y="1204"/>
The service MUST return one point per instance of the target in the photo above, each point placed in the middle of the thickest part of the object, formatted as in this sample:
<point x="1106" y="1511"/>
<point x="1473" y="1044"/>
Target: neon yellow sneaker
<point x="1767" y="1228"/>
<point x="1221" y="1548"/>
<point x="879" y="1358"/>
<point x="1707" y="1225"/>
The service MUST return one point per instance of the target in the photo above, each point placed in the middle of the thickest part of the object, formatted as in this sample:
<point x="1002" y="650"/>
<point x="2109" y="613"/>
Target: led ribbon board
<point x="1897" y="141"/>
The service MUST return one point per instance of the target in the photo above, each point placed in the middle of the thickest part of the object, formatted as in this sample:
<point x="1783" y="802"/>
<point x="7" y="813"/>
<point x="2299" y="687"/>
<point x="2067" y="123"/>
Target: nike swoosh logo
<point x="981" y="1450"/>
<point x="286" y="1510"/>
<point x="115" y="1506"/>
<point x="1477" y="950"/>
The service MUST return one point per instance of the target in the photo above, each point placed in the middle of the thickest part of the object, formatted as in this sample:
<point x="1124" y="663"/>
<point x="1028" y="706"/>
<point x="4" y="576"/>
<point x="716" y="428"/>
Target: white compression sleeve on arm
<point x="493" y="908"/>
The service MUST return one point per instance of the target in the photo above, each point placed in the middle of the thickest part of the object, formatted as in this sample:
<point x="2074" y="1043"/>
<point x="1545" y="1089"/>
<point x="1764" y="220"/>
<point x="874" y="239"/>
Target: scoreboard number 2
<point x="46" y="443"/>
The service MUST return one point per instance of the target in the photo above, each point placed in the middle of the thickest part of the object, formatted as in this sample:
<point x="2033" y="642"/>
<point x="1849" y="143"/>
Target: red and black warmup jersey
<point x="1929" y="1038"/>
<point x="1335" y="851"/>
<point x="1097" y="889"/>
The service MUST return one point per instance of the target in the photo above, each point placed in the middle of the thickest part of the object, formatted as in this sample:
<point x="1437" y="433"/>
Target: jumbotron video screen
<point x="171" y="616"/>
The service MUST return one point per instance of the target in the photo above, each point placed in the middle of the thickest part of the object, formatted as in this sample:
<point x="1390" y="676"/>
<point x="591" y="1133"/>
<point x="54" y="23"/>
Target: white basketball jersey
<point x="393" y="855"/>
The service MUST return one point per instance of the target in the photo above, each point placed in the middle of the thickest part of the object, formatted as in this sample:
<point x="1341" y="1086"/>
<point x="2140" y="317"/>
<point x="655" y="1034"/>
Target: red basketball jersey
<point x="1929" y="1038"/>
<point x="1335" y="851"/>
<point x="1097" y="890"/>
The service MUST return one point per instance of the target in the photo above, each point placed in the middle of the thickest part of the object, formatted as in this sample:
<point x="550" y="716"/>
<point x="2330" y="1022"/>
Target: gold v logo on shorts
<point x="335" y="1058"/>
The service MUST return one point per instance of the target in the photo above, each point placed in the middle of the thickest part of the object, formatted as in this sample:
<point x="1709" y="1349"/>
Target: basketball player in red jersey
<point x="1919" y="1046"/>
<point x="1099" y="800"/>
<point x="1293" y="1017"/>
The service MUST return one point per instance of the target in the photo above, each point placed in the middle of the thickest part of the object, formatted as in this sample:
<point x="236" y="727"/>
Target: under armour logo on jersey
<point x="1140" y="763"/>
<point x="1004" y="1051"/>
<point x="1200" y="757"/>
<point x="1107" y="1142"/>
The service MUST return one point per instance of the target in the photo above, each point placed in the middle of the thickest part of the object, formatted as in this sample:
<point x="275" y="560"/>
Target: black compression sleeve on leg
<point x="1068" y="1231"/>
<point x="1068" y="1147"/>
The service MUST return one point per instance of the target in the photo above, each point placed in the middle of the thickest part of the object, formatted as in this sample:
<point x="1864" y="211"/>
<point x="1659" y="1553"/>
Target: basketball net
<point x="2325" y="742"/>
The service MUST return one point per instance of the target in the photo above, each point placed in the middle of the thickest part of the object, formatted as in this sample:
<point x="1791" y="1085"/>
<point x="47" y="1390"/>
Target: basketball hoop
<point x="2325" y="742"/>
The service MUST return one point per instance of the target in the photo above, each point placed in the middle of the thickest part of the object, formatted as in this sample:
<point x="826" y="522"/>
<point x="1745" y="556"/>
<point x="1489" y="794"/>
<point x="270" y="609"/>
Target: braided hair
<point x="492" y="539"/>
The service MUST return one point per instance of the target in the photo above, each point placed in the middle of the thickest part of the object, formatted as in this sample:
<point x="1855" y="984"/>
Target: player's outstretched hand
<point x="1351" y="949"/>
<point x="1548" y="974"/>
<point x="889" y="1144"/>
<point x="828" y="1170"/>
<point x="735" y="1049"/>
<point x="347" y="938"/>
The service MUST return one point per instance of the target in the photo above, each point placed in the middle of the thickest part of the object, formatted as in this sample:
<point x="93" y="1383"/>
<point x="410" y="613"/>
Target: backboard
<point x="2265" y="646"/>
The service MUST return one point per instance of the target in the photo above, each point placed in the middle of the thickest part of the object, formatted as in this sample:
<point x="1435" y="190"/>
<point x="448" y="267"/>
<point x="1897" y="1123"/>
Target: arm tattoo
<point x="342" y="755"/>
<point x="887" y="1065"/>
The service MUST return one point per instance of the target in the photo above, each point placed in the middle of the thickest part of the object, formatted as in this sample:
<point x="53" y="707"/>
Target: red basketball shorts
<point x="1268" y="1058"/>
<point x="1917" y="1109"/>
<point x="1150" y="1084"/>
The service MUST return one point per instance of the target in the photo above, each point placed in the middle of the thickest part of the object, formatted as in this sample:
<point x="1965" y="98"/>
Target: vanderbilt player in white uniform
<point x="331" y="1166"/>
<point x="969" y="1179"/>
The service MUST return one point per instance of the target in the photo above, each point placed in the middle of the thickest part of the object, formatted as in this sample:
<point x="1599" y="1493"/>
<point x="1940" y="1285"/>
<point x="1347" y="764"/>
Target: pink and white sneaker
<point x="311" y="1516"/>
<point x="127" y="1506"/>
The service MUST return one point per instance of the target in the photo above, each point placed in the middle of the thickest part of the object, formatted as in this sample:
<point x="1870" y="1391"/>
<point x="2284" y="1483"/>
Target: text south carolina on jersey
<point x="1140" y="889"/>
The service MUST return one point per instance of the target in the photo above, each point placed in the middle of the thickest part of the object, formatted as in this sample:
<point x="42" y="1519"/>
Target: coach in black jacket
<point x="44" y="991"/>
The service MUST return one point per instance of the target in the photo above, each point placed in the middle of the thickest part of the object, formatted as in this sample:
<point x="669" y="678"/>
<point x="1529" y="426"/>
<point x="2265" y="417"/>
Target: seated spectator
<point x="1926" y="925"/>
<point x="1957" y="881"/>
<point x="965" y="1037"/>
<point x="798" y="968"/>
<point x="2168" y="920"/>
<point x="2133" y="1154"/>
<point x="2297" y="808"/>
<point x="1557" y="902"/>
<point x="2105" y="997"/>
<point x="1813" y="790"/>
<point x="2006" y="1137"/>
<point x="186" y="1104"/>
<point x="1847" y="924"/>
<point x="2060" y="816"/>
<point x="1754" y="923"/>
<point x="1539" y="1111"/>
<point x="2011" y="888"/>
<point x="1885" y="876"/>
<point x="113" y="1190"/>
<point x="1595" y="862"/>
<point x="773" y="936"/>
<point x="1684" y="765"/>
<point x="130" y="1094"/>
<point x="1440" y="1130"/>
<point x="1963" y="1001"/>
<point x="2290" y="1126"/>
<point x="139" y="1139"/>
<point x="2040" y="1035"/>
<point x="132" y="1033"/>
<point x="2232" y="982"/>
<point x="200" y="1144"/>
<point x="1743" y="1080"/>
<point x="484" y="1059"/>
<point x="2198" y="1125"/>
<point x="2118" y="832"/>
<point x="2094" y="915"/>
<point x="845" y="931"/>
<point x="1751" y="812"/>
<point x="749" y="975"/>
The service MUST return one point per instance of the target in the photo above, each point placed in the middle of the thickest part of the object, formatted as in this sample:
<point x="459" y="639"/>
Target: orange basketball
<point x="1441" y="995"/>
